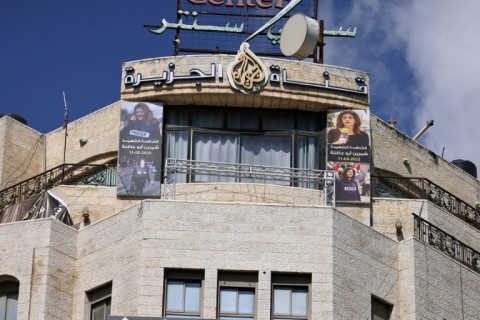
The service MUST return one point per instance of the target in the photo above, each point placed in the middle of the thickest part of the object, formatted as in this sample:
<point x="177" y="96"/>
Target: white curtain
<point x="266" y="151"/>
<point x="307" y="156"/>
<point x="177" y="148"/>
<point x="216" y="148"/>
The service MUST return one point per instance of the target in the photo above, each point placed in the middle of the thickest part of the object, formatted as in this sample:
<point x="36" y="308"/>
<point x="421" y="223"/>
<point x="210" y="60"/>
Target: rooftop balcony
<point x="224" y="182"/>
<point x="422" y="188"/>
<point x="447" y="244"/>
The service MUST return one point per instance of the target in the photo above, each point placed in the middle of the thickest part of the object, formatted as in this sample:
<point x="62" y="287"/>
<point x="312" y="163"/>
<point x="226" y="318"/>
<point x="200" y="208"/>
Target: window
<point x="237" y="295"/>
<point x="183" y="293"/>
<point x="381" y="310"/>
<point x="8" y="298"/>
<point x="291" y="296"/>
<point x="100" y="300"/>
<point x="279" y="138"/>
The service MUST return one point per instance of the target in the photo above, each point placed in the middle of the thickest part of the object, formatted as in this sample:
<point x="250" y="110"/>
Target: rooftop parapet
<point x="207" y="80"/>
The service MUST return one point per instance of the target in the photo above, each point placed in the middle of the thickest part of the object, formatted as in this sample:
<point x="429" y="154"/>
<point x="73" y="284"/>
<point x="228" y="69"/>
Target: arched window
<point x="8" y="297"/>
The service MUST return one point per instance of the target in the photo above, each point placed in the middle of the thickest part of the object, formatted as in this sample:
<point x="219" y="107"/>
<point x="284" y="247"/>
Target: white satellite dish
<point x="299" y="36"/>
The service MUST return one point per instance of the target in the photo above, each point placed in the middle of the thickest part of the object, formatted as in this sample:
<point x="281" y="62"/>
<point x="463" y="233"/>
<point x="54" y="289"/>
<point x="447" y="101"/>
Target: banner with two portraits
<point x="349" y="153"/>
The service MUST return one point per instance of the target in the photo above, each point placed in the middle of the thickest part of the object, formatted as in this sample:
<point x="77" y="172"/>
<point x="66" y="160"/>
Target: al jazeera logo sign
<point x="247" y="73"/>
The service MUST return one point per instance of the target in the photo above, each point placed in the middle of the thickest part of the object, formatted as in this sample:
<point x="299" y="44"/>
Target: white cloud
<point x="424" y="63"/>
<point x="443" y="51"/>
<point x="378" y="51"/>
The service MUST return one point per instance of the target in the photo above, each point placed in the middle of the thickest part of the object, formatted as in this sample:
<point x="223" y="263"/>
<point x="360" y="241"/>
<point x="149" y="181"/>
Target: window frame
<point x="291" y="280"/>
<point x="237" y="281"/>
<point x="377" y="303"/>
<point x="183" y="275"/>
<point x="293" y="134"/>
<point x="98" y="295"/>
<point x="10" y="289"/>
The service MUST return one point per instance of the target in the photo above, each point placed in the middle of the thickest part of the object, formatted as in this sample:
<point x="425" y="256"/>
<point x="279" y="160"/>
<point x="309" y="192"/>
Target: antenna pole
<point x="321" y="43"/>
<point x="65" y="126"/>
<point x="422" y="131"/>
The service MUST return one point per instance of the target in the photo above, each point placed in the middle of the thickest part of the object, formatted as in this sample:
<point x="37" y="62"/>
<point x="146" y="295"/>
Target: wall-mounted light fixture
<point x="406" y="161"/>
<point x="86" y="216"/>
<point x="398" y="225"/>
<point x="83" y="142"/>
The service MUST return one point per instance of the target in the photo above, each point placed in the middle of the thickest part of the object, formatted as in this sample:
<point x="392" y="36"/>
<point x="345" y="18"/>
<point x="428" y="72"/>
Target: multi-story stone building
<point x="247" y="223"/>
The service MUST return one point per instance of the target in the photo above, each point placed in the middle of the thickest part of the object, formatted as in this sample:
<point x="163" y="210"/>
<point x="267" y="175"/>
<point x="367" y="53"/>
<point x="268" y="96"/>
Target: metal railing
<point x="449" y="245"/>
<point x="200" y="171"/>
<point x="88" y="174"/>
<point x="421" y="188"/>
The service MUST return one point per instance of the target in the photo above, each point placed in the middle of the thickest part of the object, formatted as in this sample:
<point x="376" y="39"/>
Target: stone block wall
<point x="452" y="225"/>
<point x="349" y="262"/>
<point x="365" y="263"/>
<point x="41" y="255"/>
<point x="261" y="238"/>
<point x="133" y="247"/>
<point x="391" y="146"/>
<point x="248" y="193"/>
<point x="100" y="128"/>
<point x="406" y="306"/>
<point x="100" y="201"/>
<point x="21" y="155"/>
<point x="110" y="251"/>
<point x="444" y="289"/>
<point x="386" y="212"/>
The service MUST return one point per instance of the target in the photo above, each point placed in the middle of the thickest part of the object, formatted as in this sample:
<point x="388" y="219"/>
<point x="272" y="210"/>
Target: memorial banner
<point x="140" y="149"/>
<point x="348" y="153"/>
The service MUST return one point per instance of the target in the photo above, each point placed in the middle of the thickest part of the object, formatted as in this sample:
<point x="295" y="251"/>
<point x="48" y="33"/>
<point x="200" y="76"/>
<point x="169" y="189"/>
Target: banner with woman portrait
<point x="140" y="149"/>
<point x="348" y="153"/>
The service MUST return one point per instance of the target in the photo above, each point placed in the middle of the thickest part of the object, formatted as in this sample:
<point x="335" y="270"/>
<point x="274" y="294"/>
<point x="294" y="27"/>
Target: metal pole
<point x="422" y="131"/>
<point x="321" y="43"/>
<point x="65" y="126"/>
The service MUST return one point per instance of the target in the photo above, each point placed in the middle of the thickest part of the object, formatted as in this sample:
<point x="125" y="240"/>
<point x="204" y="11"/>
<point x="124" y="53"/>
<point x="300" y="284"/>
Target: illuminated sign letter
<point x="261" y="4"/>
<point x="279" y="4"/>
<point x="264" y="4"/>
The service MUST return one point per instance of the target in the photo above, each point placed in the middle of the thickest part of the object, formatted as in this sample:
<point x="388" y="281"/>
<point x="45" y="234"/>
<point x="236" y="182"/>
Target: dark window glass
<point x="380" y="309"/>
<point x="8" y="300"/>
<point x="100" y="300"/>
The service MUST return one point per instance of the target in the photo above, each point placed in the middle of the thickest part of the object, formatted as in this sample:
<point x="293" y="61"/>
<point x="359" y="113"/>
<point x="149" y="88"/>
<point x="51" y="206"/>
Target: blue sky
<point x="74" y="46"/>
<point x="421" y="57"/>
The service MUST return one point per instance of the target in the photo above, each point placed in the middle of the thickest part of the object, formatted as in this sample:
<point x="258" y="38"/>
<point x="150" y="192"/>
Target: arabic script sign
<point x="220" y="26"/>
<point x="247" y="73"/>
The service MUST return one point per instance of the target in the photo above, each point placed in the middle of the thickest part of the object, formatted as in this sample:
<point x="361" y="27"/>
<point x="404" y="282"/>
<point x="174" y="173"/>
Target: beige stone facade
<point x="218" y="92"/>
<point x="352" y="253"/>
<point x="22" y="152"/>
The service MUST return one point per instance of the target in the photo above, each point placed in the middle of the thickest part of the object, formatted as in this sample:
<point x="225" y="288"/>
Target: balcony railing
<point x="421" y="188"/>
<point x="89" y="174"/>
<point x="192" y="170"/>
<point x="449" y="245"/>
